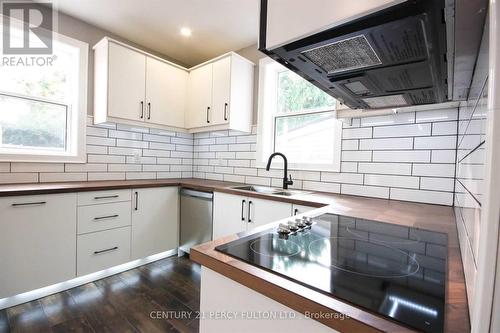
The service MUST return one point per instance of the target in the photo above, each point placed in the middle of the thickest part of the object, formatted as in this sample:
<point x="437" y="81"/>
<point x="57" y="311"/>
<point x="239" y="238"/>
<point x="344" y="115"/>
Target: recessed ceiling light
<point x="186" y="32"/>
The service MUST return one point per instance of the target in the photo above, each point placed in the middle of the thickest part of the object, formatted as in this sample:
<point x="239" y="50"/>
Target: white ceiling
<point x="218" y="26"/>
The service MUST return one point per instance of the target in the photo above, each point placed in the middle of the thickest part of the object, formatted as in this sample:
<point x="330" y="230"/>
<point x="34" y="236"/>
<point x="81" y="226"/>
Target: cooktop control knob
<point x="283" y="229"/>
<point x="293" y="226"/>
<point x="300" y="223"/>
<point x="307" y="220"/>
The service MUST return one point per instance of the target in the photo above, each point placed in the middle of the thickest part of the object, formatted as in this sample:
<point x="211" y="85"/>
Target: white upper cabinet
<point x="221" y="95"/>
<point x="126" y="75"/>
<point x="200" y="97"/>
<point x="221" y="91"/>
<point x="130" y="85"/>
<point x="166" y="88"/>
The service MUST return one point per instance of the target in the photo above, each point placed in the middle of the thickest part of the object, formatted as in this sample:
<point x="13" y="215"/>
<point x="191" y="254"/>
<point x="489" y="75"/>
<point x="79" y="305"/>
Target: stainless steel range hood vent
<point x="344" y="55"/>
<point x="389" y="58"/>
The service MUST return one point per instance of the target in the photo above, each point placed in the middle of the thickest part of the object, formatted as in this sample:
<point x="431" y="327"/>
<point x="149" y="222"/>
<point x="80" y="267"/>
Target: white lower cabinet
<point x="155" y="220"/>
<point x="100" y="250"/>
<point x="37" y="241"/>
<point x="235" y="213"/>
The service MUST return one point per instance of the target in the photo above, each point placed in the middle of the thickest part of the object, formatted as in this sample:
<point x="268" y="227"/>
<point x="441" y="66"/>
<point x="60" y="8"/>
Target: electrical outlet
<point x="137" y="157"/>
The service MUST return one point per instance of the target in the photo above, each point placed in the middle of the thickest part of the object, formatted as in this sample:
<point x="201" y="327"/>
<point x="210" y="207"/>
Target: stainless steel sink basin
<point x="269" y="190"/>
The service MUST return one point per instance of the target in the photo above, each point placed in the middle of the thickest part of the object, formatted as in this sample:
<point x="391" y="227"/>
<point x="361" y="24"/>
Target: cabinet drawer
<point x="101" y="250"/>
<point x="97" y="197"/>
<point x="103" y="217"/>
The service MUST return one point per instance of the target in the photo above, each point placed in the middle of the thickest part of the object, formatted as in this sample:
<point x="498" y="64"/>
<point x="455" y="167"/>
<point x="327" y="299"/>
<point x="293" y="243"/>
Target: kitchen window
<point x="43" y="103"/>
<point x="297" y="119"/>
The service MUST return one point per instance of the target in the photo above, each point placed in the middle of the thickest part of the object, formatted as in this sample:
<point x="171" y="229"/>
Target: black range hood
<point x="391" y="58"/>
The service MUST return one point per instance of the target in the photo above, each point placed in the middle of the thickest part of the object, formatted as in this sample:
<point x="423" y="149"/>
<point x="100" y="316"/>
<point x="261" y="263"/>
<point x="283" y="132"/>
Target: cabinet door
<point x="265" y="211"/>
<point x="200" y="97"/>
<point x="126" y="83"/>
<point x="155" y="221"/>
<point x="221" y="91"/>
<point x="165" y="93"/>
<point x="300" y="209"/>
<point x="229" y="214"/>
<point x="37" y="242"/>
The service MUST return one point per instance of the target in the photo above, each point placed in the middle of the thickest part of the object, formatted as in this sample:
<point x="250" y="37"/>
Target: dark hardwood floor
<point x="168" y="290"/>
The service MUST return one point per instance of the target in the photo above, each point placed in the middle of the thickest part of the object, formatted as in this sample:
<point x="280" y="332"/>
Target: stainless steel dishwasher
<point x="196" y="218"/>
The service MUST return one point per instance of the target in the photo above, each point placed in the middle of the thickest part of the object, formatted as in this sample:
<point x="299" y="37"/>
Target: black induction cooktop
<point x="394" y="271"/>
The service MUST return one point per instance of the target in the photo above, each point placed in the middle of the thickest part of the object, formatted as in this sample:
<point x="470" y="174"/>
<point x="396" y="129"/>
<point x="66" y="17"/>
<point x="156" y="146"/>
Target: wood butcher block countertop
<point x="298" y="297"/>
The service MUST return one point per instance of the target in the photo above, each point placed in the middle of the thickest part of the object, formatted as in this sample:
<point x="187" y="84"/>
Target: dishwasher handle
<point x="197" y="194"/>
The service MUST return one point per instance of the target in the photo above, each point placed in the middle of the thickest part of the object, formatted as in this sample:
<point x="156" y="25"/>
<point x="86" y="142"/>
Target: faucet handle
<point x="290" y="181"/>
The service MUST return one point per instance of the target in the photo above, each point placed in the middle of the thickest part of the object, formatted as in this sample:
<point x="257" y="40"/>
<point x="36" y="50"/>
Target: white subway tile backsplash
<point x="386" y="144"/>
<point x="161" y="146"/>
<point x="402" y="131"/>
<point x="385" y="168"/>
<point x="365" y="191"/>
<point x="225" y="140"/>
<point x="131" y="143"/>
<point x="132" y="128"/>
<point x="85" y="167"/>
<point x="436" y="142"/>
<point x="350" y="144"/>
<point x="356" y="156"/>
<point x="105" y="159"/>
<point x="444" y="128"/>
<point x="321" y="187"/>
<point x="91" y="149"/>
<point x="13" y="178"/>
<point x="392" y="181"/>
<point x="239" y="163"/>
<point x="124" y="167"/>
<point x="443" y="156"/>
<point x="157" y="153"/>
<point x="36" y="167"/>
<point x="246" y="171"/>
<point x="258" y="181"/>
<point x="437" y="184"/>
<point x="97" y="131"/>
<point x="349" y="167"/>
<point x="440" y="198"/>
<point x="335" y="177"/>
<point x="218" y="148"/>
<point x="394" y="119"/>
<point x="126" y="135"/>
<point x="356" y="133"/>
<point x="4" y="167"/>
<point x="50" y="177"/>
<point x="106" y="176"/>
<point x="402" y="156"/>
<point x="434" y="170"/>
<point x="437" y="115"/>
<point x="100" y="141"/>
<point x="140" y="175"/>
<point x="124" y="151"/>
<point x="156" y="138"/>
<point x="234" y="178"/>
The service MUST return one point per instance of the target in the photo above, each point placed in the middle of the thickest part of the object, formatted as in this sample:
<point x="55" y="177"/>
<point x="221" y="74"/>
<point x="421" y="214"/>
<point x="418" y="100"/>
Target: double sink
<point x="269" y="190"/>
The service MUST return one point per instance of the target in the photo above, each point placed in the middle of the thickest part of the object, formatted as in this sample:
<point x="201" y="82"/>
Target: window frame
<point x="267" y="114"/>
<point x="76" y="120"/>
